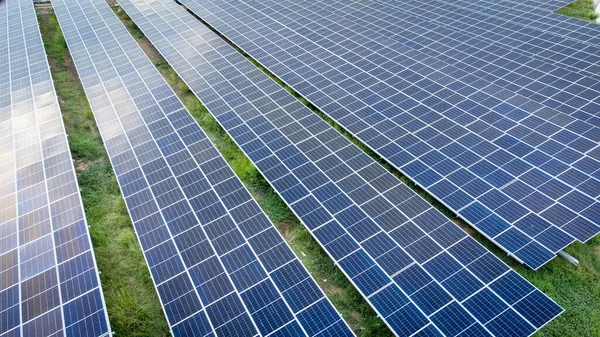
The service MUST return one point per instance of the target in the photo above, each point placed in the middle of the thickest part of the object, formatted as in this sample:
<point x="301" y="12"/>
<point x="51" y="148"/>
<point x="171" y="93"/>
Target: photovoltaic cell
<point x="569" y="66"/>
<point x="49" y="282"/>
<point x="216" y="260"/>
<point x="405" y="257"/>
<point x="504" y="139"/>
<point x="519" y="27"/>
<point x="534" y="17"/>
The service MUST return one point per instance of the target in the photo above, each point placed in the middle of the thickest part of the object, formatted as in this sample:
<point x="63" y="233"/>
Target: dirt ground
<point x="143" y="42"/>
<point x="43" y="8"/>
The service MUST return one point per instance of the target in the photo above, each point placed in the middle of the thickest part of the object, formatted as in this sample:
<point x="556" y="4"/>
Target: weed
<point x="580" y="9"/>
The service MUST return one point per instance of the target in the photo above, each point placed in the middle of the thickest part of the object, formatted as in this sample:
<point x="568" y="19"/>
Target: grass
<point x="580" y="9"/>
<point x="132" y="303"/>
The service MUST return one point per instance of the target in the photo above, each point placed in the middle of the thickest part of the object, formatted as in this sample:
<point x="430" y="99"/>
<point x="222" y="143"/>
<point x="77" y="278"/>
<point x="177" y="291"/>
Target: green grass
<point x="54" y="41"/>
<point x="132" y="303"/>
<point x="580" y="9"/>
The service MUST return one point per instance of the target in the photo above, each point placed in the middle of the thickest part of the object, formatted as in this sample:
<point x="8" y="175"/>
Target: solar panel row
<point x="558" y="92"/>
<point x="538" y="15"/>
<point x="523" y="174"/>
<point x="542" y="39"/>
<point x="485" y="64"/>
<point x="220" y="267"/>
<point x="549" y="5"/>
<point x="420" y="272"/>
<point x="49" y="284"/>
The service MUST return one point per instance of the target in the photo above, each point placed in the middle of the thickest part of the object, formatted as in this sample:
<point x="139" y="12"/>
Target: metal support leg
<point x="568" y="257"/>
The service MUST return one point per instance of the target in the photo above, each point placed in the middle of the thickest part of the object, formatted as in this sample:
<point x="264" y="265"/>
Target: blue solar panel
<point x="405" y="257"/>
<point x="49" y="282"/>
<point x="533" y="20"/>
<point x="216" y="260"/>
<point x="444" y="108"/>
<point x="525" y="30"/>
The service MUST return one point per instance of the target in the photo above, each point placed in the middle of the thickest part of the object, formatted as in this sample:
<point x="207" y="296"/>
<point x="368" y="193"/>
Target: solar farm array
<point x="219" y="265"/>
<point x="420" y="271"/>
<point x="492" y="107"/>
<point x="521" y="28"/>
<point x="49" y="284"/>
<point x="496" y="119"/>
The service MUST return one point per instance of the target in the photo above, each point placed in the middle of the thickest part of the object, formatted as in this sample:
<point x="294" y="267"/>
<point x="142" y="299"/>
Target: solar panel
<point x="550" y="5"/>
<point x="520" y="28"/>
<point x="548" y="83"/>
<point x="49" y="284"/>
<point x="219" y="265"/>
<point x="523" y="174"/>
<point x="419" y="271"/>
<point x="539" y="15"/>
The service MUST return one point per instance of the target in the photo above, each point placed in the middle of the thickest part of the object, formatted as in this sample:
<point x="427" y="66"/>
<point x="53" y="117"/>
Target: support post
<point x="568" y="257"/>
